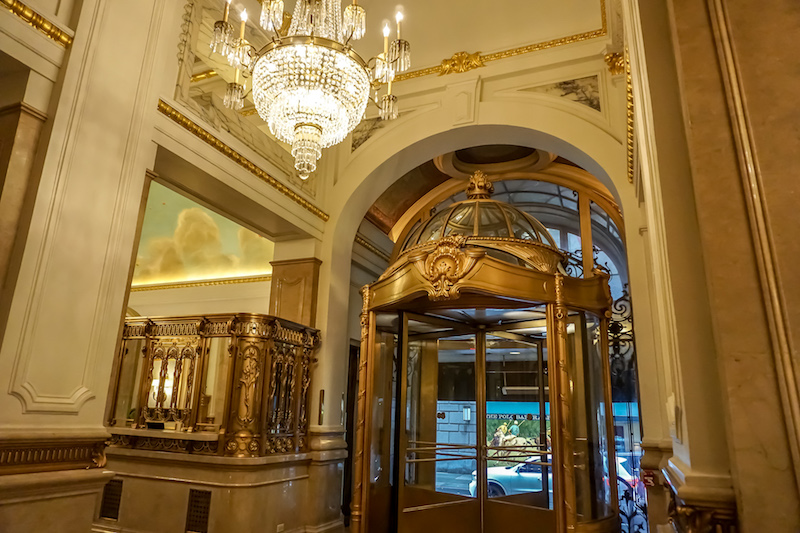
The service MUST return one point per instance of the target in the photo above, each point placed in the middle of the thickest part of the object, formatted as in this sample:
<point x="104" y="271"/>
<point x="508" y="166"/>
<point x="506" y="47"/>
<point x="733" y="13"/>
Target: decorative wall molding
<point x="27" y="455"/>
<point x="36" y="20"/>
<point x="764" y="247"/>
<point x="200" y="283"/>
<point x="444" y="67"/>
<point x="165" y="444"/>
<point x="196" y="130"/>
<point x="371" y="247"/>
<point x="629" y="115"/>
<point x="461" y="62"/>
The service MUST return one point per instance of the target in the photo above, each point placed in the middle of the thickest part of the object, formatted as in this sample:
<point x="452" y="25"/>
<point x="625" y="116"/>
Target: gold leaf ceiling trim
<point x="189" y="125"/>
<point x="535" y="47"/>
<point x="199" y="283"/>
<point x="371" y="247"/>
<point x="36" y="20"/>
<point x="206" y="74"/>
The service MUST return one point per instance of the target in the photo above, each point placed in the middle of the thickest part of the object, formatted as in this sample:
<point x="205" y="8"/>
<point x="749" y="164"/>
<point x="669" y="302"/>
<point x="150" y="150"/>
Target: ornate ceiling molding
<point x="196" y="130"/>
<point x="456" y="63"/>
<point x="36" y="20"/>
<point x="199" y="283"/>
<point x="371" y="247"/>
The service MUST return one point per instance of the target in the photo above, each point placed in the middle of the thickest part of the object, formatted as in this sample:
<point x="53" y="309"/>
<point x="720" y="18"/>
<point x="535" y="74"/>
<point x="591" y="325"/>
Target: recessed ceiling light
<point x="514" y="353"/>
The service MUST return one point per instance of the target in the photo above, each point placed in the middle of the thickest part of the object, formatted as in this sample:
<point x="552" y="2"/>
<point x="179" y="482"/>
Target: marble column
<point x="69" y="295"/>
<point x="733" y="61"/>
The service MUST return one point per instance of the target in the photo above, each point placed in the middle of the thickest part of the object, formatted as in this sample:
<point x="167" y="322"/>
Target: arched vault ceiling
<point x="398" y="198"/>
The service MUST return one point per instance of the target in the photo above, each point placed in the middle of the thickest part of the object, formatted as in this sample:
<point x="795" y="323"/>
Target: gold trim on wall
<point x="38" y="21"/>
<point x="535" y="47"/>
<point x="371" y="247"/>
<point x="200" y="283"/>
<point x="629" y="117"/>
<point x="206" y="74"/>
<point x="196" y="130"/>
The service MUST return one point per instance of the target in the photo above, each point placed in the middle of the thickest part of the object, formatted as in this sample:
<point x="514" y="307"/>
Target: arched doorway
<point x="477" y="287"/>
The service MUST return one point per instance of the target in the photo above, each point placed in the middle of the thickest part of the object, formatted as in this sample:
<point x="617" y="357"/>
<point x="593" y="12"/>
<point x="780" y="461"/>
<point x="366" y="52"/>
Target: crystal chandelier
<point x="310" y="86"/>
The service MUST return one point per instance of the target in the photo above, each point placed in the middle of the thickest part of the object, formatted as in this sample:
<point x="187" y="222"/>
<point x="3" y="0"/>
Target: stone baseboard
<point x="64" y="501"/>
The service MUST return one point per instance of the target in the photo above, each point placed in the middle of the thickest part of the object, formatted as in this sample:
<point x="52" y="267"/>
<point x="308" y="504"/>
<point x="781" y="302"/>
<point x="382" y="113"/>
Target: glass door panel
<point x="385" y="354"/>
<point x="518" y="458"/>
<point x="593" y="481"/>
<point x="439" y="429"/>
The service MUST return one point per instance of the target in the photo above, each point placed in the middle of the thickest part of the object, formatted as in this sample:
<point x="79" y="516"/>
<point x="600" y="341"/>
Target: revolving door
<point x="484" y="395"/>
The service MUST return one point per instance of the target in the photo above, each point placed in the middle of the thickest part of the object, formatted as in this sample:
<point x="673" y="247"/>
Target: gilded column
<point x="359" y="488"/>
<point x="560" y="384"/>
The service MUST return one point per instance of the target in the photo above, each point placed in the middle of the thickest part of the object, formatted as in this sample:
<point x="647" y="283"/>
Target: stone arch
<point x="368" y="172"/>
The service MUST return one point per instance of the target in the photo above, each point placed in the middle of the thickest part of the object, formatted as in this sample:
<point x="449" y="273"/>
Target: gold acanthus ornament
<point x="461" y="62"/>
<point x="445" y="266"/>
<point x="615" y="62"/>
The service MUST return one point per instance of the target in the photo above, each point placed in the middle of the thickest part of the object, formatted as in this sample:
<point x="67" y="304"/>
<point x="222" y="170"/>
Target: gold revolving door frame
<point x="455" y="274"/>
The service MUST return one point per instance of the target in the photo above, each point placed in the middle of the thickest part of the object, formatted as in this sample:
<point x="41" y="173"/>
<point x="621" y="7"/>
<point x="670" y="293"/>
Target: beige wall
<point x="250" y="297"/>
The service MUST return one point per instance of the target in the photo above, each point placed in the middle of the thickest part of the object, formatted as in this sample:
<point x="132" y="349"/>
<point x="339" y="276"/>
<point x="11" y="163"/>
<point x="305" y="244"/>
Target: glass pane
<point x="411" y="239"/>
<point x="155" y="396"/>
<point x="130" y="376"/>
<point x="381" y="452"/>
<point x="441" y="435"/>
<point x="518" y="422"/>
<point x="184" y="380"/>
<point x="520" y="225"/>
<point x="492" y="221"/>
<point x="212" y="399"/>
<point x="433" y="230"/>
<point x="462" y="222"/>
<point x="170" y="387"/>
<point x="592" y="479"/>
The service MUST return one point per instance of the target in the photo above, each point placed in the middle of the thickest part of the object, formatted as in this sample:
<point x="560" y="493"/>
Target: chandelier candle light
<point x="310" y="86"/>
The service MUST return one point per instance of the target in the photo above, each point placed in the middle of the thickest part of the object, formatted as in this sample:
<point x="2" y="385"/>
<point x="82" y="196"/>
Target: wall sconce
<point x="467" y="413"/>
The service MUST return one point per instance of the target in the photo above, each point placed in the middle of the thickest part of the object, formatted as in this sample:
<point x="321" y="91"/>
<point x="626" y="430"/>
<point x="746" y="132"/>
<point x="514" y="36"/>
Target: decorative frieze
<point x="18" y="456"/>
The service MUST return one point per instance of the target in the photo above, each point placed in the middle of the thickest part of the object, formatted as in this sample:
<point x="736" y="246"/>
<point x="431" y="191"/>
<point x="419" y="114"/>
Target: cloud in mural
<point x="195" y="251"/>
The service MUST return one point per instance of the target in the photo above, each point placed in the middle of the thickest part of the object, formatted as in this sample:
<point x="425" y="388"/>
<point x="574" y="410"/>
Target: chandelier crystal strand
<point x="301" y="24"/>
<point x="388" y="107"/>
<point x="234" y="96"/>
<point x="400" y="51"/>
<point x="306" y="148"/>
<point x="354" y="22"/>
<point x="240" y="55"/>
<point x="222" y="37"/>
<point x="271" y="15"/>
<point x="383" y="73"/>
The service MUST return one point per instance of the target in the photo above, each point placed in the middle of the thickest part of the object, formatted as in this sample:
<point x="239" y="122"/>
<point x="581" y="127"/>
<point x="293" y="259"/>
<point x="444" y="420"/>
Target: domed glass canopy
<point x="488" y="223"/>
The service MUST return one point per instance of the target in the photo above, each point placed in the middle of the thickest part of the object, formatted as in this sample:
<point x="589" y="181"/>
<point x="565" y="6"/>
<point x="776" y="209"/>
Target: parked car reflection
<point x="527" y="477"/>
